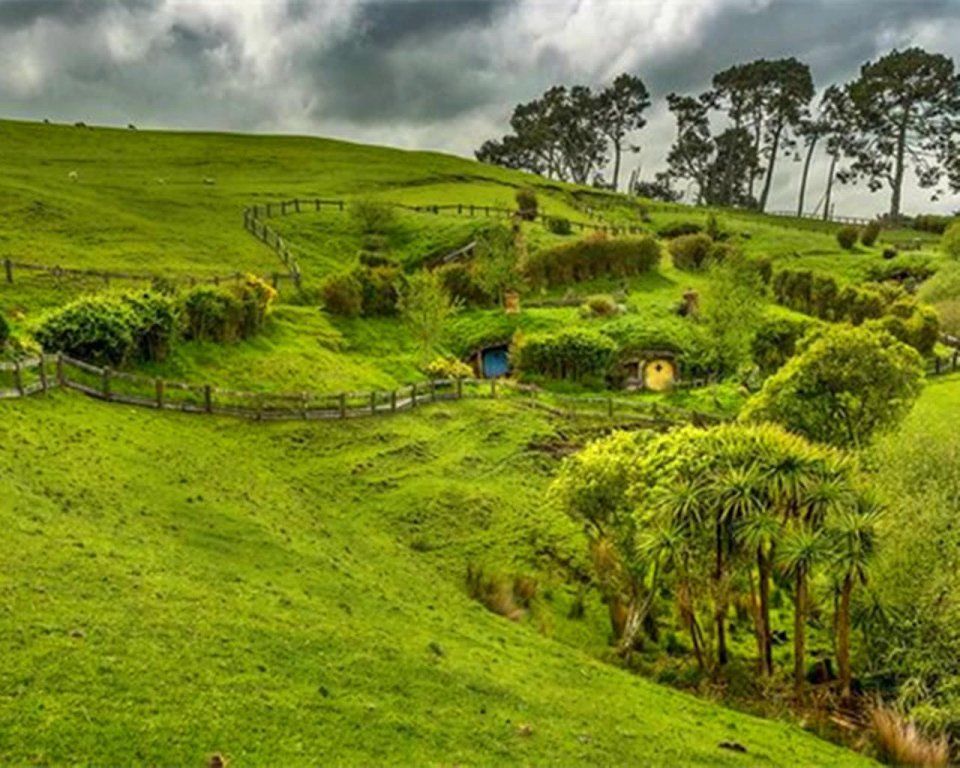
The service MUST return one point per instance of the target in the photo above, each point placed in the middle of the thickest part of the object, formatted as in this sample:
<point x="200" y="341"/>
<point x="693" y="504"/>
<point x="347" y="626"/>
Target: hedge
<point x="574" y="353"/>
<point x="228" y="313"/>
<point x="592" y="257"/>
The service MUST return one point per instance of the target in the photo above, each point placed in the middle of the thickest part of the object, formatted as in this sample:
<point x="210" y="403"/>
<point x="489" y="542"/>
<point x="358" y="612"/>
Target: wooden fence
<point x="857" y="220"/>
<point x="255" y="221"/>
<point x="40" y="374"/>
<point x="12" y="268"/>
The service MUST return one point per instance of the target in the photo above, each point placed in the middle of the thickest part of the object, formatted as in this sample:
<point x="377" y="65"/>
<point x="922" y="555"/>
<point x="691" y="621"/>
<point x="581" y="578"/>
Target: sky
<point x="431" y="74"/>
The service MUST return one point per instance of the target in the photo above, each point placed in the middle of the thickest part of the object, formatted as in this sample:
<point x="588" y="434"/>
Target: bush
<point x="574" y="353"/>
<point x="950" y="242"/>
<point x="527" y="204"/>
<point x="592" y="257"/>
<point x="932" y="223"/>
<point x="870" y="234"/>
<point x="211" y="314"/>
<point x="601" y="305"/>
<point x="155" y="323"/>
<point x="776" y="342"/>
<point x="890" y="252"/>
<point x="448" y="368"/>
<point x="341" y="295"/>
<point x="692" y="252"/>
<point x="461" y="282"/>
<point x="379" y="290"/>
<point x="372" y="217"/>
<point x="943" y="286"/>
<point x="559" y="225"/>
<point x="4" y="332"/>
<point x="228" y="313"/>
<point x="679" y="228"/>
<point x="847" y="237"/>
<point x="915" y="324"/>
<point x="96" y="329"/>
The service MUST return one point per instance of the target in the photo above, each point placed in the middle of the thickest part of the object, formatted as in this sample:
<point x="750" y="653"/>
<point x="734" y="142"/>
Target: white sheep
<point x="73" y="176"/>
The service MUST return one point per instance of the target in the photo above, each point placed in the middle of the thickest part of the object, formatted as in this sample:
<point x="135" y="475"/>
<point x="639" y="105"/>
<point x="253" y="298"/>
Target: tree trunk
<point x="829" y="192"/>
<point x="843" y="635"/>
<point x="616" y="166"/>
<point x="763" y="567"/>
<point x="757" y="623"/>
<point x="897" y="181"/>
<point x="799" y="629"/>
<point x="769" y="178"/>
<point x="720" y="610"/>
<point x="803" y="176"/>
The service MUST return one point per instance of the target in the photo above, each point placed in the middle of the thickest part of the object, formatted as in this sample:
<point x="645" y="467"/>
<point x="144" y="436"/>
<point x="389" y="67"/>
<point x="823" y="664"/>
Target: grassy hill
<point x="178" y="586"/>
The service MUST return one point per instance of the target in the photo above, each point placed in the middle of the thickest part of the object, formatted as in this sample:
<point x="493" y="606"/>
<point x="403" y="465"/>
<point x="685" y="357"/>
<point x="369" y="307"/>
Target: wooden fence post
<point x="317" y="201"/>
<point x="343" y="405"/>
<point x="105" y="382"/>
<point x="459" y="389"/>
<point x="493" y="388"/>
<point x="8" y="268"/>
<point x="158" y="388"/>
<point x="413" y="395"/>
<point x="296" y="205"/>
<point x="341" y="206"/>
<point x="433" y="391"/>
<point x="60" y="377"/>
<point x="42" y="369"/>
<point x="17" y="377"/>
<point x="207" y="398"/>
<point x="393" y="400"/>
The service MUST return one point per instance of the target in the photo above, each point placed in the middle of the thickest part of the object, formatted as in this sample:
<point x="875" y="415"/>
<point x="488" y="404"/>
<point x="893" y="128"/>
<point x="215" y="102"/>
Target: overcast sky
<point x="428" y="74"/>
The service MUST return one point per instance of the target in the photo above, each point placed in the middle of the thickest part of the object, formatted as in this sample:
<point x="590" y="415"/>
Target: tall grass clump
<point x="899" y="741"/>
<point x="589" y="258"/>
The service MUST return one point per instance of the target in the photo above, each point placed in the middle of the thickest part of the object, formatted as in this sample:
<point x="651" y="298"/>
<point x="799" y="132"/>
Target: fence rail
<point x="858" y="220"/>
<point x="40" y="374"/>
<point x="255" y="221"/>
<point x="11" y="268"/>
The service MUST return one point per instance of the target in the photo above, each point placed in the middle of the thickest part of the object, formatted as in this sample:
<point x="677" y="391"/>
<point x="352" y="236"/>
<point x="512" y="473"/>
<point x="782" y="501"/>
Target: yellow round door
<point x="658" y="375"/>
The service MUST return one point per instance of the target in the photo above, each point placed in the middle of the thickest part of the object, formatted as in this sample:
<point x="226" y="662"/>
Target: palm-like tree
<point x="854" y="536"/>
<point x="801" y="550"/>
<point x="734" y="496"/>
<point x="760" y="533"/>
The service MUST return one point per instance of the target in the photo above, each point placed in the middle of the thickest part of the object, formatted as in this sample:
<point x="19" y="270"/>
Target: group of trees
<point x="709" y="519"/>
<point x="901" y="112"/>
<point x="569" y="134"/>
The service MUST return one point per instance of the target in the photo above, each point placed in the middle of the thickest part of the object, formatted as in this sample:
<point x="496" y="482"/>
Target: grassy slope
<point x="174" y="586"/>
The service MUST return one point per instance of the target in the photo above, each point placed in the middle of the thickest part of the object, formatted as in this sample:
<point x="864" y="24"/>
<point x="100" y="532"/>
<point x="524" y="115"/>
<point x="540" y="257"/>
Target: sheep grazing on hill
<point x="208" y="180"/>
<point x="73" y="176"/>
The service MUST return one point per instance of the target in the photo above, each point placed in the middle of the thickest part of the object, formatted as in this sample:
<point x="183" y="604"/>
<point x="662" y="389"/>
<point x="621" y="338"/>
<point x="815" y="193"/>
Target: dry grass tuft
<point x="494" y="591"/>
<point x="901" y="742"/>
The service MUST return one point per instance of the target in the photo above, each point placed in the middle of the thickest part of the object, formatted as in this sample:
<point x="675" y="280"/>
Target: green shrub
<point x="155" y="323"/>
<point x="98" y="329"/>
<point x="713" y="227"/>
<point x="917" y="325"/>
<point x="342" y="295"/>
<point x="950" y="242"/>
<point x="691" y="252"/>
<point x="379" y="289"/>
<point x="461" y="282"/>
<point x="4" y="331"/>
<point x="372" y="217"/>
<point x="592" y="257"/>
<point x="227" y="313"/>
<point x="559" y="225"/>
<point x="932" y="223"/>
<point x="600" y="305"/>
<point x="574" y="353"/>
<point x="943" y="286"/>
<point x="847" y="237"/>
<point x="679" y="228"/>
<point x="776" y="341"/>
<point x="211" y="314"/>
<point x="870" y="234"/>
<point x="890" y="252"/>
<point x="527" y="204"/>
<point x="448" y="368"/>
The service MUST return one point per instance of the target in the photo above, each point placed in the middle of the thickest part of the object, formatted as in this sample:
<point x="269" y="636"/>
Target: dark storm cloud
<point x="16" y="14"/>
<point x="441" y="74"/>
